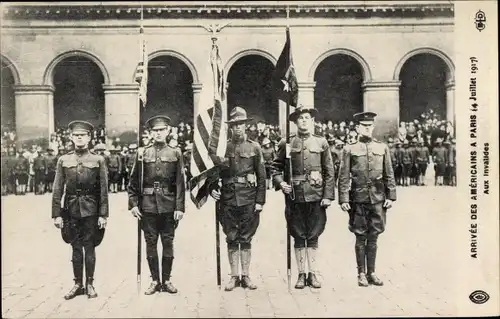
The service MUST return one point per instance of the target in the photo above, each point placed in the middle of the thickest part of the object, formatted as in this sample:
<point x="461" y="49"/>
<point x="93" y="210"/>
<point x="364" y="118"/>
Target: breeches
<point x="85" y="231"/>
<point x="367" y="219"/>
<point x="159" y="225"/>
<point x="240" y="225"/>
<point x="422" y="168"/>
<point x="306" y="222"/>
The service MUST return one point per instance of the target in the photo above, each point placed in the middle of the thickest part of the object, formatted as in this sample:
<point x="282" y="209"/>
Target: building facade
<point x="65" y="60"/>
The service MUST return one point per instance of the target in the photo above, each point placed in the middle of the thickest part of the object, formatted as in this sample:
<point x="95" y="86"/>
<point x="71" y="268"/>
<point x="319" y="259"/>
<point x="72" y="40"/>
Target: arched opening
<point x="338" y="94"/>
<point x="8" y="101"/>
<point x="78" y="94"/>
<point x="250" y="86"/>
<point x="170" y="90"/>
<point x="423" y="88"/>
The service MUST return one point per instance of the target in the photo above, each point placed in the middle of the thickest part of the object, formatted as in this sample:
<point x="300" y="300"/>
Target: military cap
<point x="364" y="117"/>
<point x="100" y="147"/>
<point x="330" y="138"/>
<point x="446" y="142"/>
<point x="238" y="115"/>
<point x="158" y="121"/>
<point x="266" y="141"/>
<point x="132" y="146"/>
<point x="338" y="142"/>
<point x="398" y="142"/>
<point x="300" y="110"/>
<point x="80" y="126"/>
<point x="390" y="140"/>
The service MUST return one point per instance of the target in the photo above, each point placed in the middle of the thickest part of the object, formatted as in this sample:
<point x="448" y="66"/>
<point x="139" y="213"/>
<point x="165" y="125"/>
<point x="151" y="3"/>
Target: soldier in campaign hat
<point x="242" y="196"/>
<point x="269" y="154"/>
<point x="81" y="175"/>
<point x="309" y="192"/>
<point x="366" y="190"/>
<point x="156" y="193"/>
<point x="440" y="159"/>
<point x="114" y="163"/>
<point x="50" y="172"/>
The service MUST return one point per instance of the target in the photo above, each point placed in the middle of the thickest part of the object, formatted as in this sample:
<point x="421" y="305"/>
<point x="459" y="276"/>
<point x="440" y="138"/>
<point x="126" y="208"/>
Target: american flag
<point x="210" y="131"/>
<point x="141" y="75"/>
<point x="285" y="82"/>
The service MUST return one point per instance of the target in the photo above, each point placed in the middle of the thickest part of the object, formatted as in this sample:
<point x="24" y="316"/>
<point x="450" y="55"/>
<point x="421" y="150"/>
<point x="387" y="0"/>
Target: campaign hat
<point x="300" y="110"/>
<point x="238" y="115"/>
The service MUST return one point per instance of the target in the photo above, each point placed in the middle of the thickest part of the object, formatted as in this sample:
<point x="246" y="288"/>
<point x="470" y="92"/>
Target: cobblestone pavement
<point x="415" y="260"/>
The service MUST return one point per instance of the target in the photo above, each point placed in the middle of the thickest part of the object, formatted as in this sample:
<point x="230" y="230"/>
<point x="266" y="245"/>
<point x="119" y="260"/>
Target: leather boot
<point x="155" y="275"/>
<point x="371" y="256"/>
<point x="166" y="269"/>
<point x="362" y="281"/>
<point x="246" y="257"/>
<point x="91" y="293"/>
<point x="312" y="281"/>
<point x="301" y="281"/>
<point x="234" y="260"/>
<point x="77" y="290"/>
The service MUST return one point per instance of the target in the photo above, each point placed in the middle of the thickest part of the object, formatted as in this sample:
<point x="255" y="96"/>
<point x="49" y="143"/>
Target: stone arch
<point x="367" y="76"/>
<point x="13" y="69"/>
<point x="177" y="55"/>
<point x="446" y="59"/>
<point x="48" y="76"/>
<point x="246" y="52"/>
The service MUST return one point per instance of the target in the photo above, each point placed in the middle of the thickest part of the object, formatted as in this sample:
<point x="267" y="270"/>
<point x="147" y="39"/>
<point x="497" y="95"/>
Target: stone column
<point x="34" y="114"/>
<point x="450" y="101"/>
<point x="122" y="112"/>
<point x="196" y="97"/>
<point x="382" y="97"/>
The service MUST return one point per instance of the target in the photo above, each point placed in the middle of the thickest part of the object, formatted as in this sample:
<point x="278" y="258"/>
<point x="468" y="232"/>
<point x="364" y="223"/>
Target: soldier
<point x="50" y="168"/>
<point x="311" y="192"/>
<point x="242" y="195"/>
<point x="406" y="163"/>
<point x="81" y="175"/>
<point x="440" y="158"/>
<point x="366" y="190"/>
<point x="336" y="155"/>
<point x="447" y="173"/>
<point x="452" y="163"/>
<point x="129" y="162"/>
<point x="159" y="170"/>
<point x="39" y="168"/>
<point x="114" y="163"/>
<point x="398" y="165"/>
<point x="22" y="173"/>
<point x="422" y="159"/>
<point x="269" y="154"/>
<point x="5" y="171"/>
<point x="187" y="160"/>
<point x="414" y="172"/>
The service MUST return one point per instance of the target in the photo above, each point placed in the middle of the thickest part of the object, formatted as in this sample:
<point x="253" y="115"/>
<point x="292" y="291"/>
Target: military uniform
<point x="129" y="162"/>
<point x="50" y="169"/>
<point x="243" y="179"/>
<point x="21" y="172"/>
<point x="440" y="159"/>
<point x="407" y="160"/>
<point x="312" y="182"/>
<point x="39" y="168"/>
<point x="268" y="154"/>
<point x="398" y="165"/>
<point x="114" y="163"/>
<point x="336" y="154"/>
<point x="163" y="193"/>
<point x="366" y="181"/>
<point x="422" y="160"/>
<point x="82" y="177"/>
<point x="5" y="172"/>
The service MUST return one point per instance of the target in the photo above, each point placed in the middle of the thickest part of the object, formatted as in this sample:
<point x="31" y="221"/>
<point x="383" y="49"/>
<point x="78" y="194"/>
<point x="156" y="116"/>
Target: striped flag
<point x="141" y="75"/>
<point x="210" y="131"/>
<point x="286" y="86"/>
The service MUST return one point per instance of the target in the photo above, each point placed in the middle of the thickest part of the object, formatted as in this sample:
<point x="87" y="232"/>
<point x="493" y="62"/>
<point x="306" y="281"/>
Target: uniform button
<point x="157" y="168"/>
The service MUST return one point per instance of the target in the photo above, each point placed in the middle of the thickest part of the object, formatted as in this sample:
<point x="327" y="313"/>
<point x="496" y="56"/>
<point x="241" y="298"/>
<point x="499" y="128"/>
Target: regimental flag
<point x="285" y="83"/>
<point x="141" y="75"/>
<point x="210" y="131"/>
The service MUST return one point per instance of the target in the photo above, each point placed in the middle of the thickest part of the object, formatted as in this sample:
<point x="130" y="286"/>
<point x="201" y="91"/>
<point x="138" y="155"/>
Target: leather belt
<point x="299" y="179"/>
<point x="235" y="179"/>
<point x="81" y="192"/>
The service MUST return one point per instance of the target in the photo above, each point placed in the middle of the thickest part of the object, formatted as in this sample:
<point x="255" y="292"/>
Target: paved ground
<point x="416" y="266"/>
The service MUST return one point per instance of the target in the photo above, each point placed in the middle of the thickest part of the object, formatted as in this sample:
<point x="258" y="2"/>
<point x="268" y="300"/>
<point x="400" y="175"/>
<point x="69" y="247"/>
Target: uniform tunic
<point x="163" y="193"/>
<point x="440" y="158"/>
<point x="366" y="181"/>
<point x="422" y="158"/>
<point x="243" y="178"/>
<point x="269" y="154"/>
<point x="51" y="164"/>
<point x="114" y="167"/>
<point x="312" y="180"/>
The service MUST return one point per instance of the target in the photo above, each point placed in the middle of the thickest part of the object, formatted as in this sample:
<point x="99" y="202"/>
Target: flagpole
<point x="287" y="135"/>
<point x="139" y="228"/>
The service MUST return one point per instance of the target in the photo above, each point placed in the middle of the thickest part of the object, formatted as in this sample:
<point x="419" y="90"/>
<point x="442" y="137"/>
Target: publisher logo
<point x="479" y="297"/>
<point x="480" y="20"/>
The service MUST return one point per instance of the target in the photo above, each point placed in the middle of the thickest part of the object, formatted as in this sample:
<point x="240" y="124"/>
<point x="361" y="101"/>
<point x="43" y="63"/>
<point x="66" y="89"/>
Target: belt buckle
<point x="78" y="191"/>
<point x="156" y="186"/>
